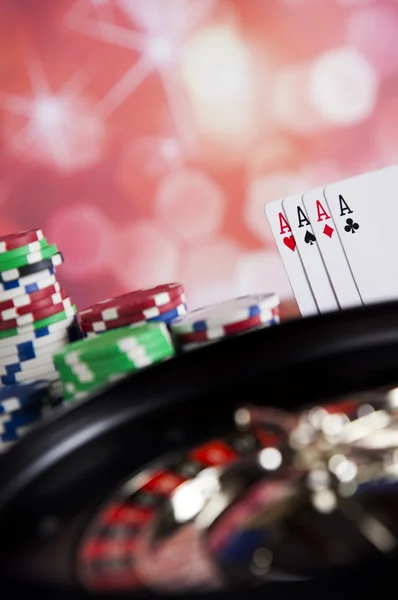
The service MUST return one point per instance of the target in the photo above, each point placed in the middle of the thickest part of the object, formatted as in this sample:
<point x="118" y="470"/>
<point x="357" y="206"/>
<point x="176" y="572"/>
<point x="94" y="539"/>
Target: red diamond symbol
<point x="328" y="230"/>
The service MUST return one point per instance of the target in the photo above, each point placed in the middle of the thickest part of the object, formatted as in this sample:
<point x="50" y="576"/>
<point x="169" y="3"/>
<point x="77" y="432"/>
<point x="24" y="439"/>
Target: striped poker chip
<point x="16" y="273"/>
<point x="88" y="365"/>
<point x="37" y="325"/>
<point x="16" y="434"/>
<point x="170" y="315"/>
<point x="115" y="342"/>
<point x="16" y="397"/>
<point x="126" y="355"/>
<point x="265" y="319"/>
<point x="34" y="349"/>
<point x="23" y="250"/>
<point x="9" y="439"/>
<point x="10" y="368"/>
<point x="26" y="284"/>
<point x="23" y="288"/>
<point x="12" y="421"/>
<point x="134" y="315"/>
<point x="40" y="304"/>
<point x="225" y="313"/>
<point x="99" y="326"/>
<point x="139" y="300"/>
<point x="85" y="376"/>
<point x="36" y="315"/>
<point x="22" y="238"/>
<point x="26" y="299"/>
<point x="47" y="372"/>
<point x="31" y="258"/>
<point x="29" y="333"/>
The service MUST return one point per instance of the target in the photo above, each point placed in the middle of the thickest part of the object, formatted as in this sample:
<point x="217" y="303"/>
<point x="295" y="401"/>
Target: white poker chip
<point x="46" y="372"/>
<point x="16" y="274"/>
<point x="38" y="348"/>
<point x="25" y="288"/>
<point x="29" y="334"/>
<point x="12" y="368"/>
<point x="27" y="280"/>
<point x="224" y="313"/>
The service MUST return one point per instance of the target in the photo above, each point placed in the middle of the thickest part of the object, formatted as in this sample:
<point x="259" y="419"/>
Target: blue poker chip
<point x="23" y="366"/>
<point x="22" y="377"/>
<point x="22" y="396"/>
<point x="32" y="349"/>
<point x="9" y="437"/>
<point x="28" y="287"/>
<point x="20" y="421"/>
<point x="170" y="315"/>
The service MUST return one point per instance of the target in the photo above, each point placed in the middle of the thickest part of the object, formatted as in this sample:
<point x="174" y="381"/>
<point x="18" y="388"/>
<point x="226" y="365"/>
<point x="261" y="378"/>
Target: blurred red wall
<point x="145" y="136"/>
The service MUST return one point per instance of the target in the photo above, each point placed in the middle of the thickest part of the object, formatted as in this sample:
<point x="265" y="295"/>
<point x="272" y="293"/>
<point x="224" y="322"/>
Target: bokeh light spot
<point x="343" y="86"/>
<point x="374" y="33"/>
<point x="191" y="204"/>
<point x="147" y="255"/>
<point x="86" y="238"/>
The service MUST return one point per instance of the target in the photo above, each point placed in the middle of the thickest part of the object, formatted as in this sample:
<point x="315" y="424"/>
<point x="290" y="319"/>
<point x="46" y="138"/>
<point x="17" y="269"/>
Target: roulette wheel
<point x="263" y="465"/>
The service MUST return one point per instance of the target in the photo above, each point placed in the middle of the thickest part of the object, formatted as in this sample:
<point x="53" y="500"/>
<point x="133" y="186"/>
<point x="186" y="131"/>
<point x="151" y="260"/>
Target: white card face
<point x="286" y="244"/>
<point x="309" y="253"/>
<point x="365" y="211"/>
<point x="331" y="249"/>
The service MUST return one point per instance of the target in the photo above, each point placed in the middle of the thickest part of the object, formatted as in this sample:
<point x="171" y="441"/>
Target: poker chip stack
<point x="224" y="319"/>
<point x="89" y="364"/>
<point x="21" y="406"/>
<point x="163" y="303"/>
<point x="36" y="315"/>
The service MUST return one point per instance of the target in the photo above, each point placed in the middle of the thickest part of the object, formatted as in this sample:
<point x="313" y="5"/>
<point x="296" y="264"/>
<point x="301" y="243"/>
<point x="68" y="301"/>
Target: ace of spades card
<point x="309" y="253"/>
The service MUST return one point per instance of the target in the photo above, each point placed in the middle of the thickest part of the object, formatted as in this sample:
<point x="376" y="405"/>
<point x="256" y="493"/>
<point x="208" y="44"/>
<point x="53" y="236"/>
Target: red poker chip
<point x="132" y="313"/>
<point x="27" y="299"/>
<point x="96" y="326"/>
<point x="22" y="238"/>
<point x="226" y="330"/>
<point x="133" y="301"/>
<point x="37" y="315"/>
<point x="48" y="301"/>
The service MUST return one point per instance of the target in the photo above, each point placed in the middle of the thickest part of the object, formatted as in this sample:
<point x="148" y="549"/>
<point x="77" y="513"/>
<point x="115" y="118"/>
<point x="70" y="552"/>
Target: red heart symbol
<point x="290" y="242"/>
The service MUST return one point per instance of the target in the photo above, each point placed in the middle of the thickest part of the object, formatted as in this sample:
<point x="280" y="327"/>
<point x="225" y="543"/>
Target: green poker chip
<point x="118" y="341"/>
<point x="88" y="364"/>
<point x="48" y="251"/>
<point x="100" y="371"/>
<point x="61" y="316"/>
<point x="23" y="250"/>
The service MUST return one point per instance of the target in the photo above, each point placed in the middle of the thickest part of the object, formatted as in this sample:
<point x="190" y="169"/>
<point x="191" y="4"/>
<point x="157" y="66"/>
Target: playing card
<point x="309" y="253"/>
<point x="332" y="252"/>
<point x="365" y="212"/>
<point x="286" y="244"/>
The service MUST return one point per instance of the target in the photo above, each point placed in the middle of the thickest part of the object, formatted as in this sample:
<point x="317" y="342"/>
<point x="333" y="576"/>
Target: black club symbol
<point x="351" y="226"/>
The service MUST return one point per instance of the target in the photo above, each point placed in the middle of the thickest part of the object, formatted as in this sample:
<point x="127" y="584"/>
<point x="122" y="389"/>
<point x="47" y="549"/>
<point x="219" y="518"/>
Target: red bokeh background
<point x="145" y="136"/>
